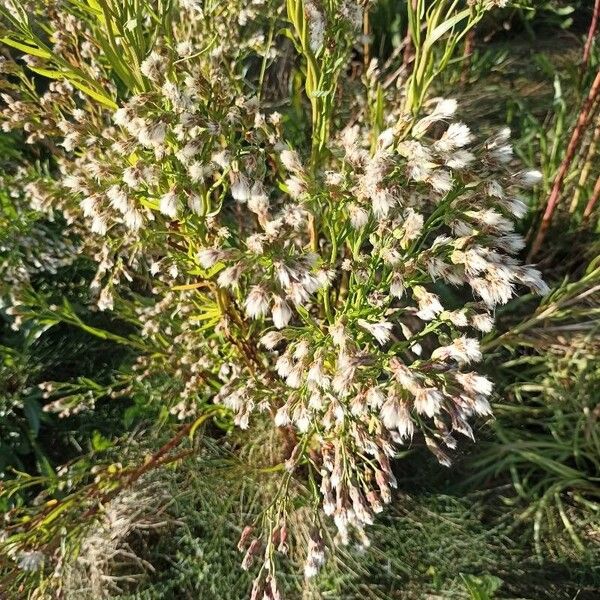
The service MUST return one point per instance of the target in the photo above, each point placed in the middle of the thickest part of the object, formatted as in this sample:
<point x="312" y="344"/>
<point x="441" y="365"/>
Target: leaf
<point x="95" y="95"/>
<point x="32" y="50"/>
<point x="199" y="422"/>
<point x="51" y="74"/>
<point x="441" y="29"/>
<point x="99" y="442"/>
<point x="481" y="588"/>
<point x="54" y="514"/>
<point x="33" y="410"/>
<point x="74" y="80"/>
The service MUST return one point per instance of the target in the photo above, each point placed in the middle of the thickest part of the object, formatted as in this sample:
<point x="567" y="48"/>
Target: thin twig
<point x="366" y="44"/>
<point x="468" y="55"/>
<point x="587" y="49"/>
<point x="585" y="171"/>
<point x="554" y="197"/>
<point x="592" y="201"/>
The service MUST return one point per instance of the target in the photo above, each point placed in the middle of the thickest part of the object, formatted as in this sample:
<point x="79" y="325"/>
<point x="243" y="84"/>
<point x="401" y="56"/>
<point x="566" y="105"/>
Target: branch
<point x="554" y="197"/>
<point x="587" y="49"/>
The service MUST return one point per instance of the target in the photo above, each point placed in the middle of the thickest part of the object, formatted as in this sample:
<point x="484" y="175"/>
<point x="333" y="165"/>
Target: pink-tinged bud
<point x="253" y="550"/>
<point x="246" y="533"/>
<point x="258" y="589"/>
<point x="283" y="534"/>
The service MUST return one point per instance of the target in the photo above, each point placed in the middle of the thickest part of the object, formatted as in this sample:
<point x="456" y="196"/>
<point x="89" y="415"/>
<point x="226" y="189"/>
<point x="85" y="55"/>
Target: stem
<point x="553" y="199"/>
<point x="366" y="46"/>
<point x="467" y="55"/>
<point x="585" y="171"/>
<point x="592" y="201"/>
<point x="591" y="35"/>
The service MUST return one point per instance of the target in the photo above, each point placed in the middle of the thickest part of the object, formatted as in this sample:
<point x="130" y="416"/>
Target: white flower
<point x="405" y="425"/>
<point x="529" y="178"/>
<point x="282" y="417"/>
<point x="118" y="198"/>
<point x="383" y="201"/>
<point x="395" y="415"/>
<point x="495" y="288"/>
<point x="296" y="187"/>
<point x="317" y="375"/>
<point x="481" y="406"/>
<point x="390" y="412"/>
<point x="151" y="66"/>
<point x="502" y="154"/>
<point x="208" y="257"/>
<point x="195" y="204"/>
<point x="240" y="188"/>
<point x="456" y="317"/>
<point x="291" y="161"/>
<point x="284" y="365"/>
<point x="445" y="108"/>
<point x="281" y="312"/>
<point x="229" y="277"/>
<point x="106" y="300"/>
<point x="459" y="159"/>
<point x="359" y="217"/>
<point x="516" y="206"/>
<point x="259" y="201"/>
<point x="483" y="322"/>
<point x="440" y="180"/>
<point x="132" y="176"/>
<point x="380" y="331"/>
<point x="475" y="384"/>
<point x="153" y="134"/>
<point x="257" y="302"/>
<point x="429" y="304"/>
<point x="168" y="204"/>
<point x="456" y="136"/>
<point x="221" y="158"/>
<point x="412" y="227"/>
<point x="133" y="219"/>
<point x="375" y="397"/>
<point x="271" y="339"/>
<point x="428" y="401"/>
<point x="99" y="224"/>
<point x="294" y="378"/>
<point x="532" y="278"/>
<point x="397" y="285"/>
<point x="122" y="116"/>
<point x="338" y="334"/>
<point x="386" y="138"/>
<point x="462" y="349"/>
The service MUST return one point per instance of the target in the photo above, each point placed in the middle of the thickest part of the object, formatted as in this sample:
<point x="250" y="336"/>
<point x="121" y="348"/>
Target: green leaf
<point x="32" y="50"/>
<point x="32" y="411"/>
<point x="99" y="442"/>
<point x="94" y="94"/>
<point x="50" y="73"/>
<point x="54" y="514"/>
<point x="441" y="29"/>
<point x="481" y="588"/>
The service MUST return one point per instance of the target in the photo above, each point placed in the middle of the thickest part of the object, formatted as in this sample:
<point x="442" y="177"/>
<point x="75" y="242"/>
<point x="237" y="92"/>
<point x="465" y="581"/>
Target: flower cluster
<point x="339" y="286"/>
<point x="393" y="354"/>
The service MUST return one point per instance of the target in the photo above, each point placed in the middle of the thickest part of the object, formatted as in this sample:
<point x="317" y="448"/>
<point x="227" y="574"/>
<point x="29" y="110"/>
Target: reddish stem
<point x="554" y="197"/>
<point x="587" y="49"/>
<point x="592" y="201"/>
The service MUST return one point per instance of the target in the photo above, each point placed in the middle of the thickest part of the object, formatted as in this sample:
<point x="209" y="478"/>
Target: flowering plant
<point x="335" y="275"/>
